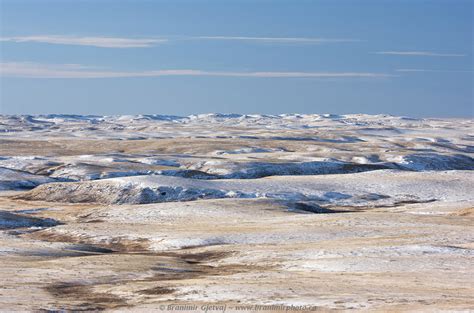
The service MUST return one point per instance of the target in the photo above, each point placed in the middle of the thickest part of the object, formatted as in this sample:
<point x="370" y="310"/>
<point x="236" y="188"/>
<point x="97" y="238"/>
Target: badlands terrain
<point x="253" y="212"/>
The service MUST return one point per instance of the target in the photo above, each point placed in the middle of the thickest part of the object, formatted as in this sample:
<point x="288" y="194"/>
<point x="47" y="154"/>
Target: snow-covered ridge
<point x="28" y="172"/>
<point x="13" y="179"/>
<point x="383" y="187"/>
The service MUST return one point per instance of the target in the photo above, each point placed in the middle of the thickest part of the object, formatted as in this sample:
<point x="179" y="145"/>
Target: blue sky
<point x="400" y="57"/>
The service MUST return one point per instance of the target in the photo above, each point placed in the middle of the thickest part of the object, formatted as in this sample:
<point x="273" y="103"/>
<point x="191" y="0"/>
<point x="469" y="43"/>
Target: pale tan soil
<point x="138" y="275"/>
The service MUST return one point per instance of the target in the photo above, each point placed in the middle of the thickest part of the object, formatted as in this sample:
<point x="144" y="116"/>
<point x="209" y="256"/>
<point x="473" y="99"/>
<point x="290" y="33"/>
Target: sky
<point x="107" y="57"/>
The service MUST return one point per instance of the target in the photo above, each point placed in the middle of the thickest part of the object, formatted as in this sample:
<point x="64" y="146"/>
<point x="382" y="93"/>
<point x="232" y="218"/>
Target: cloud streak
<point x="36" y="70"/>
<point x="276" y="39"/>
<point x="102" y="42"/>
<point x="118" y="42"/>
<point x="417" y="70"/>
<point x="420" y="53"/>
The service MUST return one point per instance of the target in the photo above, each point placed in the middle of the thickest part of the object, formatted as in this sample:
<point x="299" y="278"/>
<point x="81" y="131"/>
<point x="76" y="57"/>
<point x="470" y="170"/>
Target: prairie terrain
<point x="135" y="213"/>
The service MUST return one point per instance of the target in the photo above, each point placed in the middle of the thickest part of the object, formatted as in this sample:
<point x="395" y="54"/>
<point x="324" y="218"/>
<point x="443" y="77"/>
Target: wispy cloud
<point x="102" y="42"/>
<point x="421" y="53"/>
<point x="276" y="39"/>
<point x="37" y="70"/>
<point x="417" y="70"/>
<point x="118" y="42"/>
